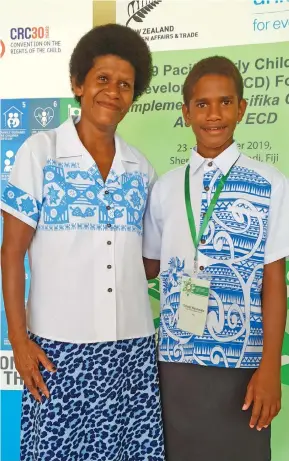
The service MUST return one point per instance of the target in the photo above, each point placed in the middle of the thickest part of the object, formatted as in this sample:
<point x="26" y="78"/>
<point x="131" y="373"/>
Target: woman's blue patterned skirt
<point x="104" y="404"/>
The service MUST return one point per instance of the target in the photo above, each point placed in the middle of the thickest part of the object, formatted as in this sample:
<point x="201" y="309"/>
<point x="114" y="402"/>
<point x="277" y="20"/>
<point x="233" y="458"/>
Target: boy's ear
<point x="186" y="115"/>
<point x="242" y="109"/>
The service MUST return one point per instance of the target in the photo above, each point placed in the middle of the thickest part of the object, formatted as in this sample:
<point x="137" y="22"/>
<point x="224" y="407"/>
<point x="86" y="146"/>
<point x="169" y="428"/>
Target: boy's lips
<point x="214" y="129"/>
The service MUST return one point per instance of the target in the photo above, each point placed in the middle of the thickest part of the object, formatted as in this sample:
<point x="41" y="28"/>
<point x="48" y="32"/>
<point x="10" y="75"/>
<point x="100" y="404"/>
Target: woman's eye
<point x="124" y="84"/>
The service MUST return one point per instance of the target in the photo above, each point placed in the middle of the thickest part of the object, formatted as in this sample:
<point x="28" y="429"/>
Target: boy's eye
<point x="201" y="105"/>
<point x="227" y="102"/>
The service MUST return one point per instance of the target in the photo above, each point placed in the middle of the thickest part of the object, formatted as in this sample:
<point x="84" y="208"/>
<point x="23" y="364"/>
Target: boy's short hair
<point x="214" y="65"/>
<point x="116" y="40"/>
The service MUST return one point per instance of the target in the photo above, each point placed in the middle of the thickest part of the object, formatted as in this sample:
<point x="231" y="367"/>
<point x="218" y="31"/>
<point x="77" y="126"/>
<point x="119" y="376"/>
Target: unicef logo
<point x="138" y="10"/>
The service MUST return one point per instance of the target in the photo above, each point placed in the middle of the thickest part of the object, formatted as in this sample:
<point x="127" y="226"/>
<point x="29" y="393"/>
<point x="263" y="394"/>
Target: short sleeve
<point x="153" y="225"/>
<point x="22" y="196"/>
<point x="277" y="242"/>
<point x="152" y="180"/>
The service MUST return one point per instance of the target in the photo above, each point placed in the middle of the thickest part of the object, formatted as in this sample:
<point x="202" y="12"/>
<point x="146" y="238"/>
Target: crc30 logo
<point x="29" y="33"/>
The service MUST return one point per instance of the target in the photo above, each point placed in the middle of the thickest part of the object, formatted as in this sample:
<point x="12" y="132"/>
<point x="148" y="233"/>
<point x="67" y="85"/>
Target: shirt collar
<point x="223" y="162"/>
<point x="68" y="143"/>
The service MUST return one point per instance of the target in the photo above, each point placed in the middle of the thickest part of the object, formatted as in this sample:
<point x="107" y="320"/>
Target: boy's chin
<point x="217" y="143"/>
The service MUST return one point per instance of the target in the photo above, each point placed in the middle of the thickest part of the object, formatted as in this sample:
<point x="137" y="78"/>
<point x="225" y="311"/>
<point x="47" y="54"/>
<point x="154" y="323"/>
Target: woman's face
<point x="107" y="91"/>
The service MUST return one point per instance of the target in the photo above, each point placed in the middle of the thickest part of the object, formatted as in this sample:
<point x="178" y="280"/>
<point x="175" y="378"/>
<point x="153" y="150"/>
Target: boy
<point x="219" y="227"/>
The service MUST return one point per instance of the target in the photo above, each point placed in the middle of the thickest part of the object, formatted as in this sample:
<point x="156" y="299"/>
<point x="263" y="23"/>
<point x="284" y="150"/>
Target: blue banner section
<point x="10" y="425"/>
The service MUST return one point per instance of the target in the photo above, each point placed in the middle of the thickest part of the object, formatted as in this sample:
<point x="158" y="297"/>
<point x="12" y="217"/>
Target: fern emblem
<point x="138" y="9"/>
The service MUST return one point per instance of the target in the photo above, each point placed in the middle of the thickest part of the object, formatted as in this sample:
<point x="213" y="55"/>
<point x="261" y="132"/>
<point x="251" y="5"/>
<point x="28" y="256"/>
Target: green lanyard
<point x="207" y="217"/>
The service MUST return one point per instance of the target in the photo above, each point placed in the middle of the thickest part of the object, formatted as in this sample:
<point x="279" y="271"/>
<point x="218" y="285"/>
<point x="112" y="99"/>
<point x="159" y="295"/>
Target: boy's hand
<point x="264" y="391"/>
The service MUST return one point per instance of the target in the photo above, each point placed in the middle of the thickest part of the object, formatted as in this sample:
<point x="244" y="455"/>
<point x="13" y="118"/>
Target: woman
<point x="76" y="199"/>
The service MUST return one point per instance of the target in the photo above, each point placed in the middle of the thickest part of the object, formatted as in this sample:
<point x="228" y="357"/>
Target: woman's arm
<point x="16" y="240"/>
<point x="27" y="355"/>
<point x="152" y="268"/>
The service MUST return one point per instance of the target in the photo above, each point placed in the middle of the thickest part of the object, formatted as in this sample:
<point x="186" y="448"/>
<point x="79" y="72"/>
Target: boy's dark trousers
<point x="203" y="416"/>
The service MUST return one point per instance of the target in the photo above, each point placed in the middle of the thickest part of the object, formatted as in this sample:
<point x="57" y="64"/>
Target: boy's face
<point x="107" y="92"/>
<point x="213" y="113"/>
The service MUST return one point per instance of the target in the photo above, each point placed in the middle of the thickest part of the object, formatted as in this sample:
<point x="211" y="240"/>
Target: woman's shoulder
<point x="38" y="147"/>
<point x="42" y="140"/>
<point x="132" y="155"/>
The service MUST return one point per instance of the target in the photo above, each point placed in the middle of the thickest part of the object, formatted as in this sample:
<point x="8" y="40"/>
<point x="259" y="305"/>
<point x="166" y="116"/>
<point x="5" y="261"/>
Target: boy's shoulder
<point x="269" y="172"/>
<point x="172" y="177"/>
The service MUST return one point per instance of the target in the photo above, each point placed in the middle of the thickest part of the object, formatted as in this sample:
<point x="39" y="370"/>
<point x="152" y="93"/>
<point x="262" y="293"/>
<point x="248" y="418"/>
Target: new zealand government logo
<point x="138" y="10"/>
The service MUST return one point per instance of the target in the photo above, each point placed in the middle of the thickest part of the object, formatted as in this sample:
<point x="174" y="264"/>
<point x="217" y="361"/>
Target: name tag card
<point x="194" y="305"/>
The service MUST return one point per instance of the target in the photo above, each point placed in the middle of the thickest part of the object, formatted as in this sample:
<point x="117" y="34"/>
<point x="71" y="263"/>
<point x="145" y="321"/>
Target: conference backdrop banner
<point x="36" y="40"/>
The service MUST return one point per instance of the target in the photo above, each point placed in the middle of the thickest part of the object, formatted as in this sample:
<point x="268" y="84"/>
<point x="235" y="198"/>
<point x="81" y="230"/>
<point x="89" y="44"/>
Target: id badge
<point x="194" y="302"/>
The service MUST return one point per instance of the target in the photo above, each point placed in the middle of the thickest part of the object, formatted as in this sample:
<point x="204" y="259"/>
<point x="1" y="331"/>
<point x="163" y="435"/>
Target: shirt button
<point x="106" y="192"/>
<point x="109" y="242"/>
<point x="108" y="225"/>
<point x="109" y="266"/>
<point x="203" y="241"/>
<point x="109" y="290"/>
<point x="202" y="268"/>
<point x="207" y="188"/>
<point x="210" y="164"/>
<point x="108" y="207"/>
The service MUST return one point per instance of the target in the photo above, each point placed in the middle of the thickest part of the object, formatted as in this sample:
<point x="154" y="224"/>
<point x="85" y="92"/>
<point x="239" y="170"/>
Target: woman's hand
<point x="27" y="357"/>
